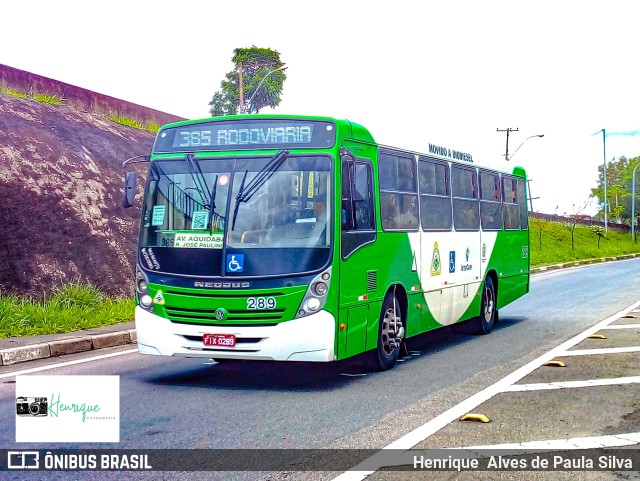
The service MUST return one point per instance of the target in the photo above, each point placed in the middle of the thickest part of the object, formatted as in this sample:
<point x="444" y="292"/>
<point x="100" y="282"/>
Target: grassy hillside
<point x="551" y="243"/>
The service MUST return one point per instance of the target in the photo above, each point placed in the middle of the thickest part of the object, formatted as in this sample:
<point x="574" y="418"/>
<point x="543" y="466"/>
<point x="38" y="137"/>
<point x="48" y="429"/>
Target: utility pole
<point x="507" y="130"/>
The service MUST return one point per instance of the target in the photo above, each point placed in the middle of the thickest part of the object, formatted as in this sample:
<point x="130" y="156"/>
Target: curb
<point x="564" y="265"/>
<point x="15" y="355"/>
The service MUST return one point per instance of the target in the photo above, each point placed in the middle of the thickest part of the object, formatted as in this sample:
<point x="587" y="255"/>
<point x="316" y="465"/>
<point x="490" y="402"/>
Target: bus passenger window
<point x="435" y="191"/>
<point x="398" y="191"/>
<point x="522" y="200"/>
<point x="490" y="206"/>
<point x="466" y="214"/>
<point x="511" y="207"/>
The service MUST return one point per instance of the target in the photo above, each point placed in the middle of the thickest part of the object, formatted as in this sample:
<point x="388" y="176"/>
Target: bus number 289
<point x="261" y="303"/>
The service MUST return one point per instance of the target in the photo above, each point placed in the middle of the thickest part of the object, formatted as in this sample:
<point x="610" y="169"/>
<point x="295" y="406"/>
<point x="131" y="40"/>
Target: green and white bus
<point x="299" y="238"/>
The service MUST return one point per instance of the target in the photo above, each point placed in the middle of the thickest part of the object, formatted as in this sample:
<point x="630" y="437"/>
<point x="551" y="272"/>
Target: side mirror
<point x="130" y="183"/>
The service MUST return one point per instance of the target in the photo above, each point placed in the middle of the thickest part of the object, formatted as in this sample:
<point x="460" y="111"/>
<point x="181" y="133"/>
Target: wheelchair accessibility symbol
<point x="235" y="262"/>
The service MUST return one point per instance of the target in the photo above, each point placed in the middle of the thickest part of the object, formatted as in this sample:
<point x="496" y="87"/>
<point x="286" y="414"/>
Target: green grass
<point x="48" y="99"/>
<point x="10" y="91"/>
<point x="72" y="307"/>
<point x="38" y="97"/>
<point x="136" y="124"/>
<point x="77" y="306"/>
<point x="556" y="243"/>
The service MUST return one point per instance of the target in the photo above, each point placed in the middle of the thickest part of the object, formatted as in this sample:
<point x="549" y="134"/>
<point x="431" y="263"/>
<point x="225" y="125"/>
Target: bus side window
<point x="510" y="200"/>
<point x="362" y="197"/>
<point x="357" y="213"/>
<point x="398" y="191"/>
<point x="522" y="200"/>
<point x="435" y="191"/>
<point x="347" y="207"/>
<point x="490" y="206"/>
<point x="466" y="215"/>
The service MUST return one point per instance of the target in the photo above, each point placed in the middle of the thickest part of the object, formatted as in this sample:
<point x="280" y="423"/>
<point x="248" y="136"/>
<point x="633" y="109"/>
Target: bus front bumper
<point x="310" y="338"/>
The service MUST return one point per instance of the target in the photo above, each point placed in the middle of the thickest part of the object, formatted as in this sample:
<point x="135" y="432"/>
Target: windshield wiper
<point x="202" y="187"/>
<point x="198" y="180"/>
<point x="261" y="178"/>
<point x="212" y="203"/>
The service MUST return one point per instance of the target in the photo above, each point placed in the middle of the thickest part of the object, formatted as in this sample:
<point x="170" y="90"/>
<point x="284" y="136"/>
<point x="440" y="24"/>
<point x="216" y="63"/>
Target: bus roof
<point x="352" y="130"/>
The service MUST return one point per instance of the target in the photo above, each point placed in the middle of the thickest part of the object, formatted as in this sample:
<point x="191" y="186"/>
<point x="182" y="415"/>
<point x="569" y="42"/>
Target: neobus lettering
<point x="271" y="135"/>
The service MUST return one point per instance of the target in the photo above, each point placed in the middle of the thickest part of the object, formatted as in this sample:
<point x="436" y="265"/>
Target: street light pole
<point x="514" y="153"/>
<point x="633" y="202"/>
<point x="259" y="85"/>
<point x="604" y="156"/>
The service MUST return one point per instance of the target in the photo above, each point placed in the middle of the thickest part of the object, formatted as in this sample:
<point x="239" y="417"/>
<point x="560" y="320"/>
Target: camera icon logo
<point x="32" y="406"/>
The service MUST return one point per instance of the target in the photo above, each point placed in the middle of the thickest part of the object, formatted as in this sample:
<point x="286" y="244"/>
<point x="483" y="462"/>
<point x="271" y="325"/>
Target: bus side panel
<point x="356" y="336"/>
<point x="512" y="288"/>
<point x="510" y="260"/>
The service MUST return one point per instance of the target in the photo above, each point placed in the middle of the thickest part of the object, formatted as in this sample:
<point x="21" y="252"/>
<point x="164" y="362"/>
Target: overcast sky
<point x="413" y="73"/>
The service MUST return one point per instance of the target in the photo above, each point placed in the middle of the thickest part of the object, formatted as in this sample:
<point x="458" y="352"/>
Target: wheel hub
<point x="488" y="304"/>
<point x="392" y="331"/>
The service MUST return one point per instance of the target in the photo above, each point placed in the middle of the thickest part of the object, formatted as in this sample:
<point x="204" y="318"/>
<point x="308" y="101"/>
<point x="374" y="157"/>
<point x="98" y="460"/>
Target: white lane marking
<point x="604" y="350"/>
<point x="623" y="326"/>
<point x="419" y="434"/>
<point x="565" y="444"/>
<point x="542" y="386"/>
<point x="64" y="364"/>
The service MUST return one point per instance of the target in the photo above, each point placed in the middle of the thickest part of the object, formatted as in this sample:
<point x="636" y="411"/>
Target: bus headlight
<point x="320" y="288"/>
<point x="142" y="292"/>
<point x="146" y="301"/>
<point x="316" y="295"/>
<point x="312" y="304"/>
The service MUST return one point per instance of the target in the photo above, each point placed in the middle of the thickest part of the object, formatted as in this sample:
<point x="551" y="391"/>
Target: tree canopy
<point x="263" y="76"/>
<point x="619" y="187"/>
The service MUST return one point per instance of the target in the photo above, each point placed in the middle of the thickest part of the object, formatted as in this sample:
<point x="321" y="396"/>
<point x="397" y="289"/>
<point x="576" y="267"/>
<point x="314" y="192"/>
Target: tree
<point x="598" y="230"/>
<point x="571" y="222"/>
<point x="540" y="226"/>
<point x="619" y="177"/>
<point x="260" y="73"/>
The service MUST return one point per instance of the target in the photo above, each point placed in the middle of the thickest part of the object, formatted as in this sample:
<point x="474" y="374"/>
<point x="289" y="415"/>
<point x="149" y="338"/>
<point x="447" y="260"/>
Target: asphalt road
<point x="179" y="403"/>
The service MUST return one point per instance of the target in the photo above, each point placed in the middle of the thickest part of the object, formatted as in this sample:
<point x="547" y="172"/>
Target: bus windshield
<point x="195" y="209"/>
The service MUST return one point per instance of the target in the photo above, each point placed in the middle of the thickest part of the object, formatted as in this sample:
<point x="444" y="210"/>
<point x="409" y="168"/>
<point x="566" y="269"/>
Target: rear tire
<point x="488" y="312"/>
<point x="390" y="335"/>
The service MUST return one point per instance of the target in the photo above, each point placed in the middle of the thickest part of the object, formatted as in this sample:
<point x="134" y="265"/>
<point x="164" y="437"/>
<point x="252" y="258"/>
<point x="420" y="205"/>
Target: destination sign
<point x="243" y="134"/>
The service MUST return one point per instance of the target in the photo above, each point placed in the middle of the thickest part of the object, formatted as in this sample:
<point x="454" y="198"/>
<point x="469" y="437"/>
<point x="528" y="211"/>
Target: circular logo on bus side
<point x="221" y="314"/>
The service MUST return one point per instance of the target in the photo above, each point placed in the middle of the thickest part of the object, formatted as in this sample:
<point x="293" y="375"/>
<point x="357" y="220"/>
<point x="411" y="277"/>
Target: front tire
<point x="390" y="335"/>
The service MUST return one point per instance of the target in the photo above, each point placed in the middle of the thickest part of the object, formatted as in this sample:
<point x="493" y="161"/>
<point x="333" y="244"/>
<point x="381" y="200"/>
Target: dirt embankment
<point x="61" y="181"/>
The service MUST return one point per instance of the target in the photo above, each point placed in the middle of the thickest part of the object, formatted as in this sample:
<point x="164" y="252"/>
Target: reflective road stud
<point x="555" y="364"/>
<point x="481" y="418"/>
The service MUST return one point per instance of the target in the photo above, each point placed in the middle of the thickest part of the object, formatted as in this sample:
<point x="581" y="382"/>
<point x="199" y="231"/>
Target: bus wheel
<point x="390" y="335"/>
<point x="488" y="311"/>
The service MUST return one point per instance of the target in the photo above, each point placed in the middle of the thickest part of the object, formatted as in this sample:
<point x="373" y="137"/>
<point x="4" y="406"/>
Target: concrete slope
<point x="61" y="183"/>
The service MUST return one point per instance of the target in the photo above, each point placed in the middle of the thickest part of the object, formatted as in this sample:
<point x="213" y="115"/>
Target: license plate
<point x="225" y="340"/>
